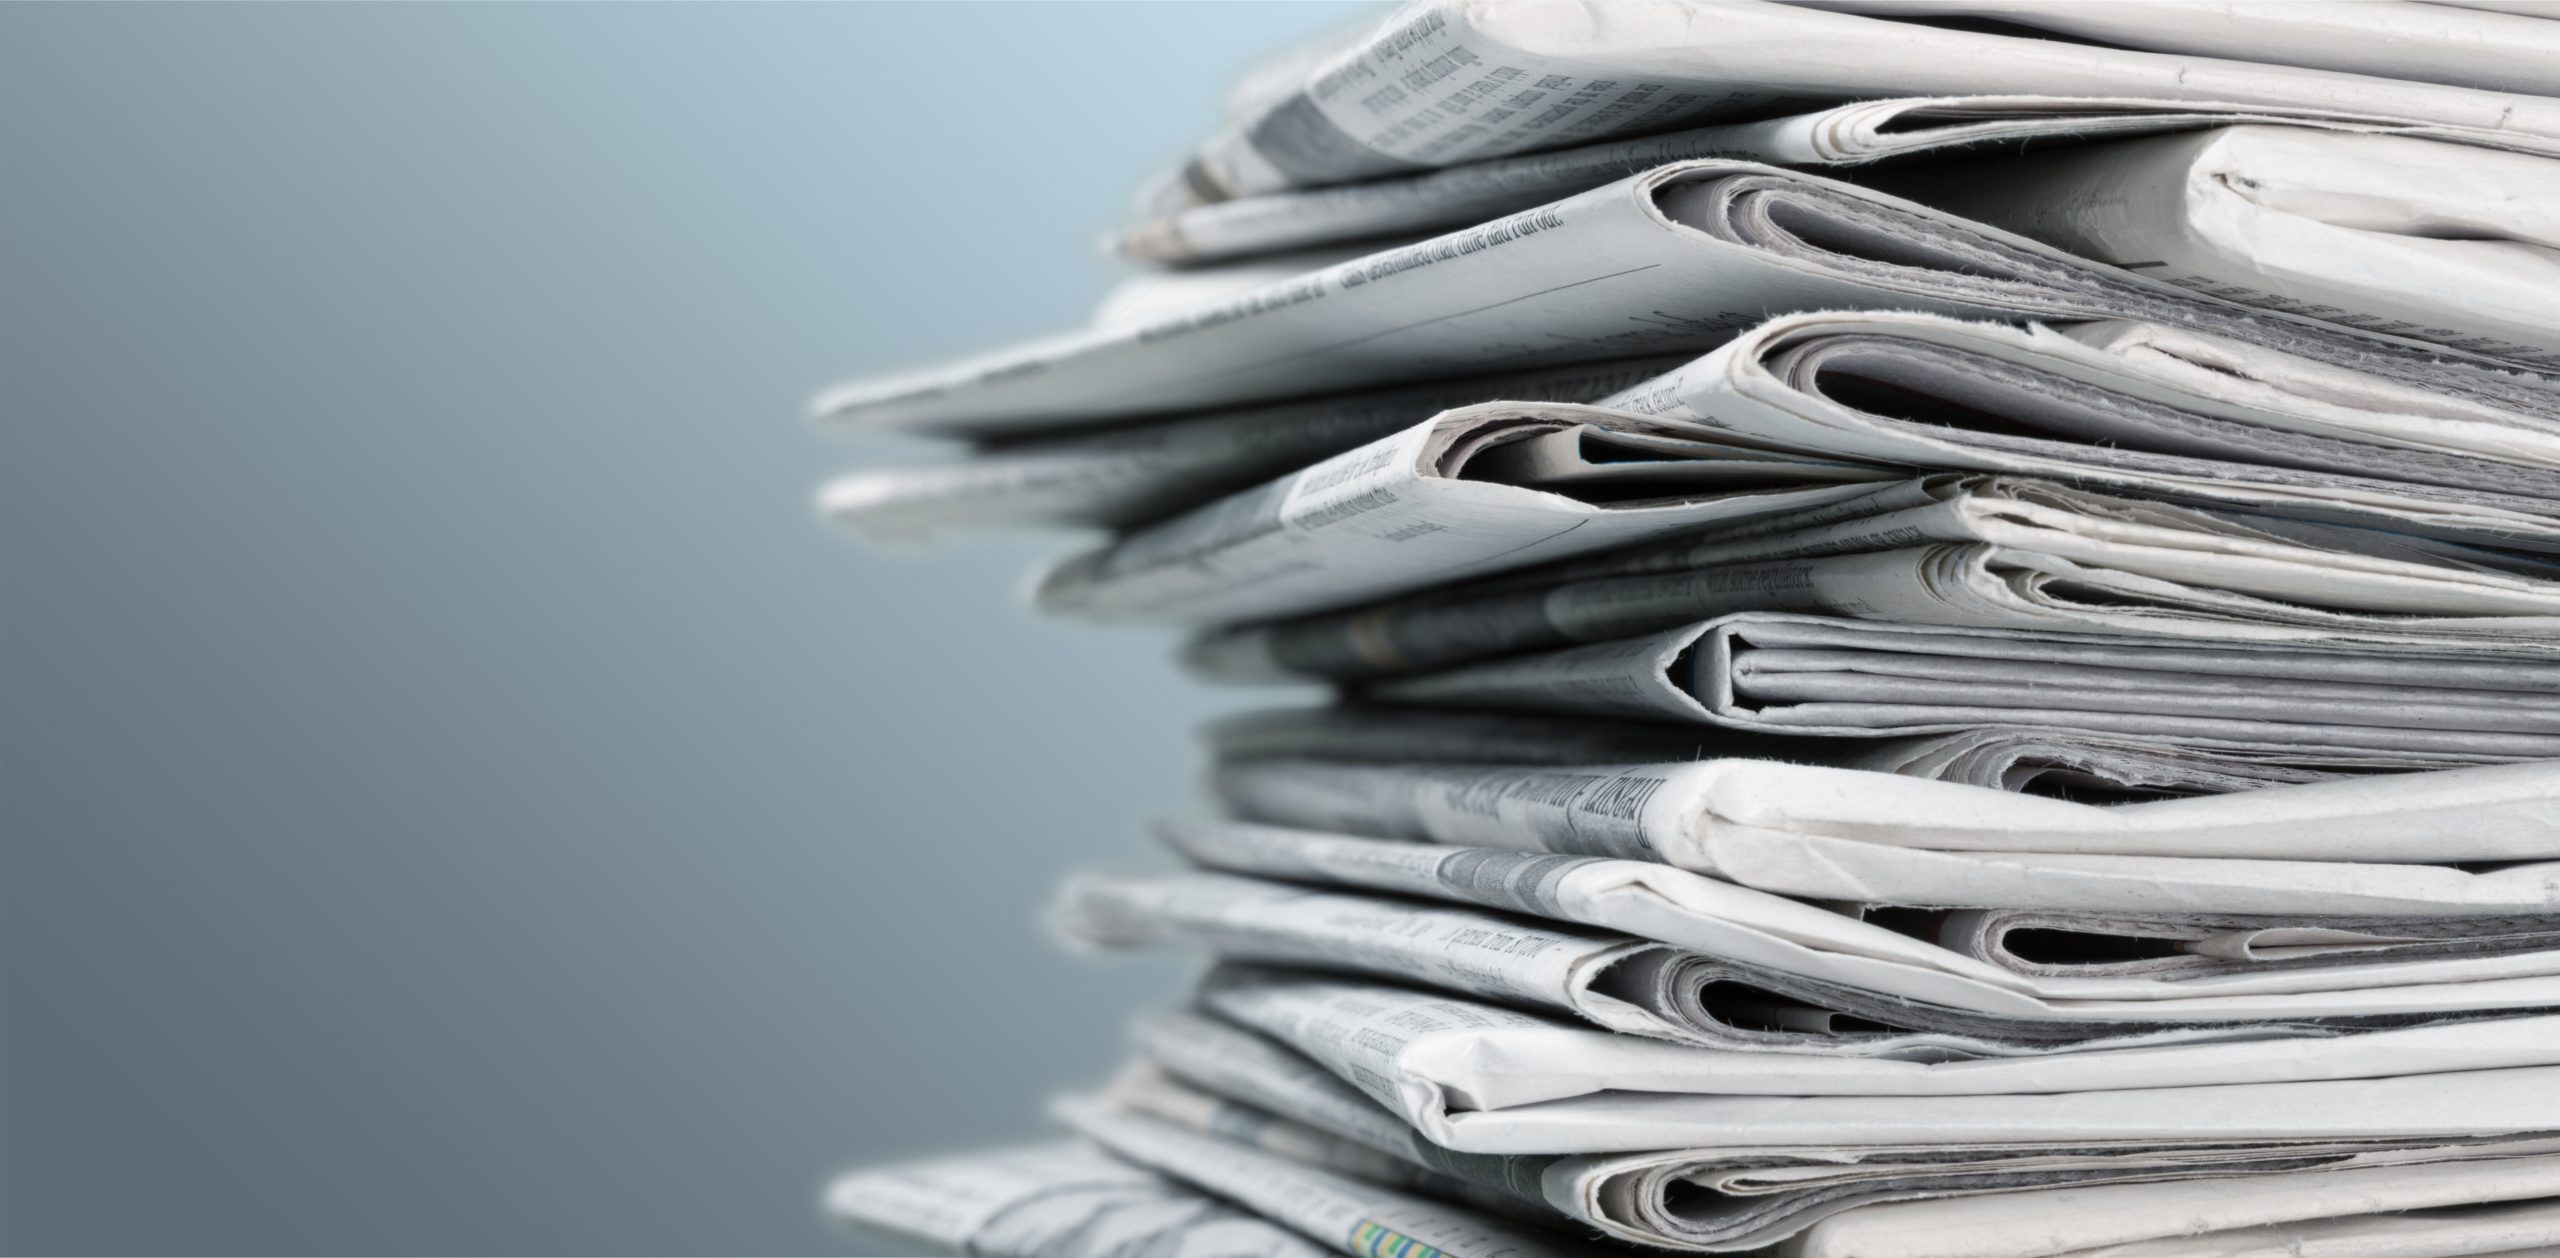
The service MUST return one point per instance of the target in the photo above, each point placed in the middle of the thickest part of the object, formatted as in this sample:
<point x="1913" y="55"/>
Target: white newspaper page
<point x="1412" y="509"/>
<point x="2522" y="1229"/>
<point x="2386" y="846"/>
<point x="1710" y="1201"/>
<point x="2438" y="242"/>
<point x="1056" y="1200"/>
<point x="2414" y="42"/>
<point x="1948" y="966"/>
<point x="1843" y="135"/>
<point x="2144" y="408"/>
<point x="2012" y="758"/>
<point x="1808" y="675"/>
<point x="1123" y="477"/>
<point x="1481" y="1079"/>
<point x="1346" y="1214"/>
<point x="1675" y="258"/>
<point x="1986" y="553"/>
<point x="1456" y="81"/>
<point x="2180" y="1216"/>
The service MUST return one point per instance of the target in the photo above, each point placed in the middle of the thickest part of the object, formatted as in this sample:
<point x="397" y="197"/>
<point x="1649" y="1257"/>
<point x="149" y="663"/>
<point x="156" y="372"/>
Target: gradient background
<point x="456" y="797"/>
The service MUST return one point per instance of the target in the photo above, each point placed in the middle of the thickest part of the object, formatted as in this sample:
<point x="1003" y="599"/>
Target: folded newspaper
<point x="2038" y="760"/>
<point x="1450" y="81"/>
<point x="2457" y="842"/>
<point x="1218" y="1077"/>
<point x="1963" y="552"/>
<point x="1808" y="675"/>
<point x="1675" y="258"/>
<point x="1855" y="134"/>
<point x="1055" y="1200"/>
<point x="1790" y="414"/>
<point x="2394" y="234"/>
<point x="1137" y="474"/>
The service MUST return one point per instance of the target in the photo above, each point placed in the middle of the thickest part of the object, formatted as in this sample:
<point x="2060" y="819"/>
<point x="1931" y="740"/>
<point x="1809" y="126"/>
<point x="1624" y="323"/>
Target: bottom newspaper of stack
<point x="1731" y="1004"/>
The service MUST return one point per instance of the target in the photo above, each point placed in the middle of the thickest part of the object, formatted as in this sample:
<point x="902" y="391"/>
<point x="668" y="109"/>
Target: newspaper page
<point x="1126" y="476"/>
<point x="1351" y="1216"/>
<point x="2417" y="43"/>
<point x="1511" y="486"/>
<point x="1054" y="1200"/>
<point x="1418" y="507"/>
<point x="1474" y="1078"/>
<point x="2020" y="758"/>
<point x="2386" y="846"/>
<point x="1710" y="1201"/>
<point x="1808" y="675"/>
<point x="1843" y="135"/>
<point x="1992" y="553"/>
<point x="1453" y="81"/>
<point x="2438" y="242"/>
<point x="1145" y="1087"/>
<point x="2514" y="1230"/>
<point x="2129" y="406"/>
<point x="1956" y="959"/>
<point x="2199" y="1216"/>
<point x="2041" y="762"/>
<point x="1675" y="258"/>
<point x="1631" y="986"/>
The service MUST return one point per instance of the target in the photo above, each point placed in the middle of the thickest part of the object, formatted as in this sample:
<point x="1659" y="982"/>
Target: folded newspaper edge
<point x="1350" y="1215"/>
<point x="2392" y="234"/>
<point x="1034" y="1201"/>
<point x="1857" y="133"/>
<point x="1750" y="431"/>
<point x="1126" y="476"/>
<point x="1820" y="676"/>
<point x="1216" y="1077"/>
<point x="1698" y="248"/>
<point x="1840" y="947"/>
<point x="2011" y="758"/>
<point x="2385" y="846"/>
<point x="1946" y="550"/>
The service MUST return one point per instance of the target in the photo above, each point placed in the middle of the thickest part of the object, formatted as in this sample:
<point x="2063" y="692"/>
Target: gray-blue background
<point x="456" y="798"/>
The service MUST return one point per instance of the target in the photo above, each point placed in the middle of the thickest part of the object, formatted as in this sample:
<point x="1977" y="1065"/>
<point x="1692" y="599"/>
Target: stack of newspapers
<point x="1942" y="622"/>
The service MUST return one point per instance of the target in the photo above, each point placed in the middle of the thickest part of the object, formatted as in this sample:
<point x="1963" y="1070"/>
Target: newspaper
<point x="2023" y="758"/>
<point x="1808" y="675"/>
<point x="1965" y="552"/>
<point x="1144" y="1087"/>
<point x="1707" y="1201"/>
<point x="2386" y="846"/>
<point x="2418" y="43"/>
<point x="1675" y="258"/>
<point x="2036" y="942"/>
<point x="1351" y="1216"/>
<point x="1854" y="134"/>
<point x="1452" y="81"/>
<point x="1767" y="425"/>
<point x="1054" y="1200"/>
<point x="1479" y="1078"/>
<point x="2404" y="1212"/>
<point x="2438" y="242"/>
<point x="1424" y="505"/>
<point x="1122" y="477"/>
<point x="2523" y="1229"/>
<point x="1640" y="988"/>
<point x="1954" y="959"/>
<point x="2132" y="405"/>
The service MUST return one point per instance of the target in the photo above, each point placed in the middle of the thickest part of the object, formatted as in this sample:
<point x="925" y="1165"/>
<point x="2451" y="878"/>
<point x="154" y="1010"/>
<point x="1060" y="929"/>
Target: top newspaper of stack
<point x="1454" y="81"/>
<point x="1676" y="258"/>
